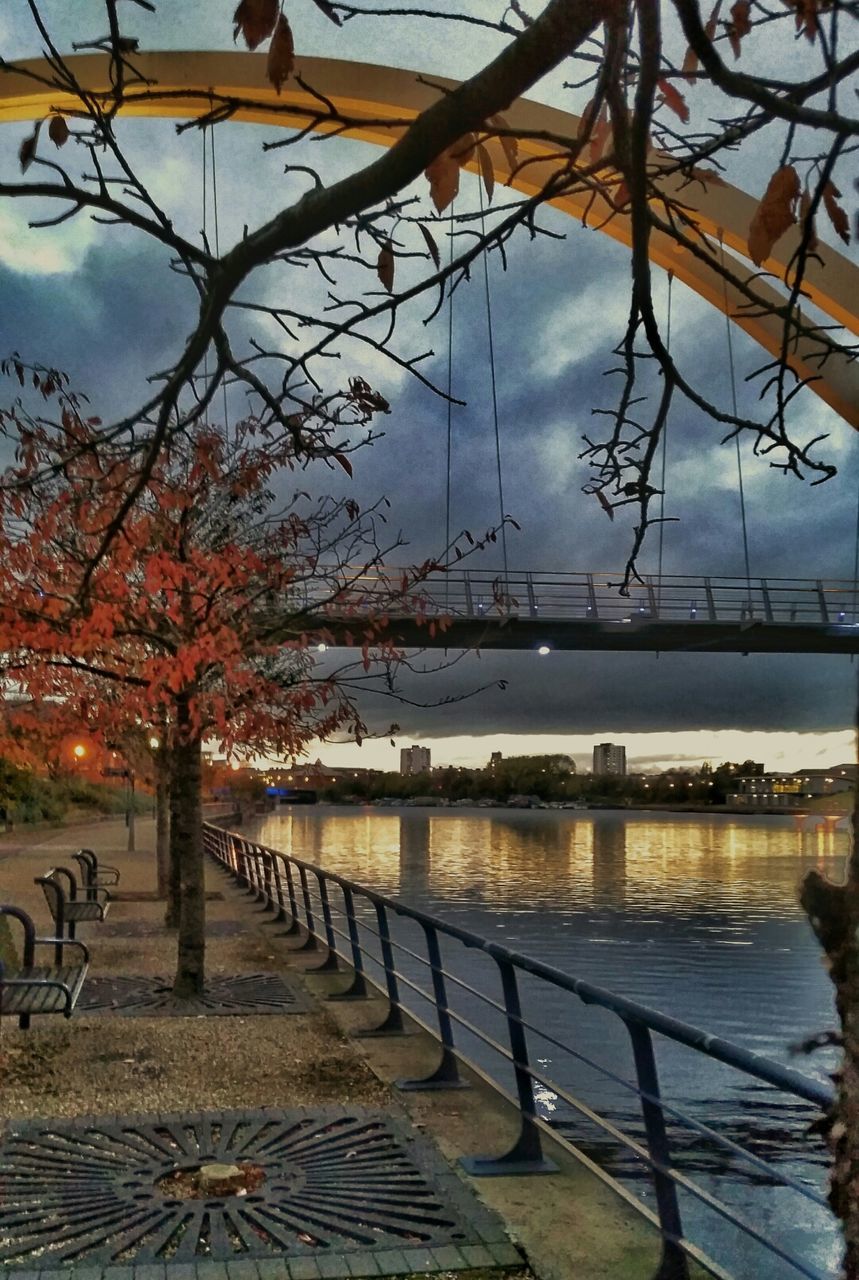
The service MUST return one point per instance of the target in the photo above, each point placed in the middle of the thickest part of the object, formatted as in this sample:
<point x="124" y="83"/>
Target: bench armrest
<point x="64" y="942"/>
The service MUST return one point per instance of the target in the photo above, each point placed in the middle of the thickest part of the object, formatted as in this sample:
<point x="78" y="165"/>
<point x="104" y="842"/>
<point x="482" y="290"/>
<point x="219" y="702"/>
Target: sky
<point x="103" y="304"/>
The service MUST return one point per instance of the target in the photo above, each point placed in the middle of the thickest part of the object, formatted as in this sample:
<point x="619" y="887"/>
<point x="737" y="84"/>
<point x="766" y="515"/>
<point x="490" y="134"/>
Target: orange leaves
<point x="775" y="213"/>
<point x="27" y="149"/>
<point x="598" y="131"/>
<point x="385" y="266"/>
<point x="740" y="24"/>
<point x="837" y="216"/>
<point x="673" y="99"/>
<point x="487" y="172"/>
<point x="443" y="173"/>
<point x="807" y="12"/>
<point x="281" y="54"/>
<point x="256" y="20"/>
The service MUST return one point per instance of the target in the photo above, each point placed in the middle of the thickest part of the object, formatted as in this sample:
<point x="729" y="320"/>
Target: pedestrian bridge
<point x="546" y="611"/>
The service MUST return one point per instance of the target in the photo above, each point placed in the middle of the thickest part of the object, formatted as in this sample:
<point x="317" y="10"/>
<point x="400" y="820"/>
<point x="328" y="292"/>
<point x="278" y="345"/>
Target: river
<point x="695" y="915"/>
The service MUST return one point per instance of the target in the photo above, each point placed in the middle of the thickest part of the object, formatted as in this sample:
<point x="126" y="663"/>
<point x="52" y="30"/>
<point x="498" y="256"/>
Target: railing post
<point x="592" y="610"/>
<point x="446" y="1074"/>
<point x="393" y="1023"/>
<point x="821" y="599"/>
<point x="526" y="1154"/>
<point x="310" y="943"/>
<point x="674" y="1264"/>
<point x="711" y="603"/>
<point x="768" y="608"/>
<point x="330" y="964"/>
<point x="652" y="603"/>
<point x="358" y="988"/>
<point x="469" y="599"/>
<point x="293" y="927"/>
<point x="268" y="877"/>
<point x="256" y="863"/>
<point x="276" y="862"/>
<point x="532" y="599"/>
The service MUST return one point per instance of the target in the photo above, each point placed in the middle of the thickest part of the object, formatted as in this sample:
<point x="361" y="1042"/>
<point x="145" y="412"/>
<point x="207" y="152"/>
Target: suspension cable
<point x="736" y="437"/>
<point x="503" y="520"/>
<point x="449" y="393"/>
<point x="664" y="451"/>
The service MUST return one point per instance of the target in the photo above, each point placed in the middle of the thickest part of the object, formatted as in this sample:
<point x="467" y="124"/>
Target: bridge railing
<point x="480" y="593"/>
<point x="405" y="955"/>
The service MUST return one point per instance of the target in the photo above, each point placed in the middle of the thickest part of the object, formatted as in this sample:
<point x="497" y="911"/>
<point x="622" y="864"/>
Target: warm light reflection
<point x="529" y="862"/>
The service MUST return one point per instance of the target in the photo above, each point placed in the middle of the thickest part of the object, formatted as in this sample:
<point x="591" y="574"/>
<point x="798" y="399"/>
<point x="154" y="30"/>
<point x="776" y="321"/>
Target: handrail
<point x="269" y="875"/>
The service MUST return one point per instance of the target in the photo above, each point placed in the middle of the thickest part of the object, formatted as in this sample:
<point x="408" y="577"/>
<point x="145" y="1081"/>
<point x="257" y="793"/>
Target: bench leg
<point x="24" y="1021"/>
<point x="72" y="926"/>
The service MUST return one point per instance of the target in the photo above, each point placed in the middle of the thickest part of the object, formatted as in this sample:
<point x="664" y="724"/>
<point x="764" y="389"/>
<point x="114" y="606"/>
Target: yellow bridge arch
<point x="383" y="100"/>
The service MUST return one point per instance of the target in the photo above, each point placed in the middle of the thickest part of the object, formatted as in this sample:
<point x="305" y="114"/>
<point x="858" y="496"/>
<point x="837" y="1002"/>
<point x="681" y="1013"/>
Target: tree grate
<point x="85" y="1192"/>
<point x="144" y="997"/>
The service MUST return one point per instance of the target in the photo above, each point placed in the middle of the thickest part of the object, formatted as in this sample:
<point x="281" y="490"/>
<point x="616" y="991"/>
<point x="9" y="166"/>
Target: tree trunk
<point x="174" y="876"/>
<point x="833" y="910"/>
<point x="187" y="844"/>
<point x="162" y="833"/>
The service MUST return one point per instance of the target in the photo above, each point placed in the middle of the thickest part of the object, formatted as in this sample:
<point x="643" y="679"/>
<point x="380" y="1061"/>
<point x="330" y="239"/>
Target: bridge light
<point x="543" y="650"/>
<point x="322" y="648"/>
<point x="842" y="615"/>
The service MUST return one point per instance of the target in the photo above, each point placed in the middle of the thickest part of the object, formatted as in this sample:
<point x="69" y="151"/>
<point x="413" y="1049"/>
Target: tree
<point x="636" y="147"/>
<point x="195" y="623"/>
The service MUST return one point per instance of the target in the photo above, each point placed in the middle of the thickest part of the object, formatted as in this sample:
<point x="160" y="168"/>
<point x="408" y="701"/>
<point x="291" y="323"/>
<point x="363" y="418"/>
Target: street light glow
<point x="79" y="750"/>
<point x="543" y="650"/>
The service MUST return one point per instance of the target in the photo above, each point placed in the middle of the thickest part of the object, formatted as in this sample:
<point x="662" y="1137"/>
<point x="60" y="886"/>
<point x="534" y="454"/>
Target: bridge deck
<point x="579" y="611"/>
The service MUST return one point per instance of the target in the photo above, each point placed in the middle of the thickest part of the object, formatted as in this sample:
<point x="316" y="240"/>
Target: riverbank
<point x="569" y="1225"/>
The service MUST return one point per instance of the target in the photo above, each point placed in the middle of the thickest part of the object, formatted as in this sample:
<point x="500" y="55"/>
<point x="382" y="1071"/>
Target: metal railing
<point x="478" y="594"/>
<point x="349" y="922"/>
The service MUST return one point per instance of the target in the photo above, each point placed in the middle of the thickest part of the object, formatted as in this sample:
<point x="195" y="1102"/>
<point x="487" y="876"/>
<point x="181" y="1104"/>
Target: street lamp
<point x="79" y="751"/>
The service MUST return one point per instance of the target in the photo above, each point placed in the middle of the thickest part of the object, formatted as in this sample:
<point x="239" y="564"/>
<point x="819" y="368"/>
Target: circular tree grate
<point x="142" y="997"/>
<point x="90" y="1191"/>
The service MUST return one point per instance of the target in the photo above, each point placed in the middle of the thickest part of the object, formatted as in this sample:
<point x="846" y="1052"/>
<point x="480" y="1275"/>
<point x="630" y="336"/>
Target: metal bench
<point x="95" y="874"/>
<point x="68" y="910"/>
<point x="27" y="988"/>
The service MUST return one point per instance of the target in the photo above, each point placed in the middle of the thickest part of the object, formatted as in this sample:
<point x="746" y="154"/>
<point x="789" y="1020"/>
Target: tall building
<point x="414" y="760"/>
<point x="610" y="758"/>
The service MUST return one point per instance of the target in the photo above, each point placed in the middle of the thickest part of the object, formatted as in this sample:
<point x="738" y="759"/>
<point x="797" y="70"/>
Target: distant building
<point x="609" y="758"/>
<point x="791" y="790"/>
<point x="414" y="760"/>
<point x="495" y="759"/>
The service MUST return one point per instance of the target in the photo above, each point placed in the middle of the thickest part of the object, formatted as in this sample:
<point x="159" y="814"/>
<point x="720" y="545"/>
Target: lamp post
<point x="129" y="807"/>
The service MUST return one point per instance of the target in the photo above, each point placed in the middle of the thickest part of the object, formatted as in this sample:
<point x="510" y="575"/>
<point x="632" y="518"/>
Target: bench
<point x="95" y="875"/>
<point x="68" y="910"/>
<point x="27" y="988"/>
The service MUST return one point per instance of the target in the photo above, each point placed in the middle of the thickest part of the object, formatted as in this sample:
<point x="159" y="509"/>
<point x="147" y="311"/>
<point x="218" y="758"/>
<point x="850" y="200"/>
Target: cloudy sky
<point x="102" y="303"/>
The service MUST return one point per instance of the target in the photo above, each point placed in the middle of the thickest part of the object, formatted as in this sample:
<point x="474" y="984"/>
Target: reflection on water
<point x="697" y="914"/>
<point x="694" y="915"/>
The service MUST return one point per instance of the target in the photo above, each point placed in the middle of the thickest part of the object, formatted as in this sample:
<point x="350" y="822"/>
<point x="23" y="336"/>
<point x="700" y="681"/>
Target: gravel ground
<point x="98" y="1065"/>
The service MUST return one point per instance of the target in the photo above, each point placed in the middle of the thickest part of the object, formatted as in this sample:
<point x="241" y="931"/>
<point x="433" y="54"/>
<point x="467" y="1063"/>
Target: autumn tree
<point x="198" y="621"/>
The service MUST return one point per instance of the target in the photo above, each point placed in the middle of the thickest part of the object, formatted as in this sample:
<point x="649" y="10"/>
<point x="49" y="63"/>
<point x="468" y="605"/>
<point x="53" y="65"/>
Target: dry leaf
<point x="281" y="54"/>
<point x="804" y="212"/>
<point x="740" y="24"/>
<point x="708" y="176"/>
<point x="486" y="170"/>
<point x="443" y="176"/>
<point x="509" y="145"/>
<point x="344" y="462"/>
<point x="690" y="62"/>
<point x="806" y="15"/>
<point x="605" y="504"/>
<point x="673" y="99"/>
<point x="58" y="131"/>
<point x="329" y="11"/>
<point x="837" y="215"/>
<point x="774" y="214"/>
<point x="599" y="132"/>
<point x="27" y="150"/>
<point x="385" y="266"/>
<point x="431" y="245"/>
<point x="255" y="19"/>
<point x="620" y="196"/>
